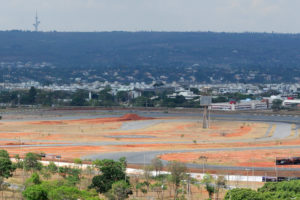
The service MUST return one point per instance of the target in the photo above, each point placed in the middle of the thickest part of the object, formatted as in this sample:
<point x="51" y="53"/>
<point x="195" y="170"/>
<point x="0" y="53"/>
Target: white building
<point x="247" y="105"/>
<point x="291" y="102"/>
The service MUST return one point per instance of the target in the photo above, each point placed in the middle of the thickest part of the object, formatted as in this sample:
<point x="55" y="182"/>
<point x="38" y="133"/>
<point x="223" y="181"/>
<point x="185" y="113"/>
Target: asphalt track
<point x="282" y="122"/>
<point x="283" y="128"/>
<point x="144" y="158"/>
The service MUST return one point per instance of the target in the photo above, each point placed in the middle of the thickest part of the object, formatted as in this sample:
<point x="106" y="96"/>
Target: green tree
<point x="56" y="190"/>
<point x="105" y="97"/>
<point x="111" y="172"/>
<point x="19" y="163"/>
<point x="65" y="193"/>
<point x="281" y="190"/>
<point x="78" y="161"/>
<point x="44" y="98"/>
<point x="33" y="180"/>
<point x="178" y="173"/>
<point x="209" y="186"/>
<point x="120" y="190"/>
<point x="220" y="99"/>
<point x="195" y="90"/>
<point x="31" y="162"/>
<point x="122" y="96"/>
<point x="158" y="187"/>
<point x="52" y="167"/>
<point x="157" y="165"/>
<point x="179" y="100"/>
<point x="32" y="95"/>
<point x="70" y="174"/>
<point x="6" y="166"/>
<point x="143" y="102"/>
<point x="147" y="173"/>
<point x="78" y="98"/>
<point x="35" y="192"/>
<point x="220" y="183"/>
<point x="45" y="172"/>
<point x="243" y="194"/>
<point x="276" y="104"/>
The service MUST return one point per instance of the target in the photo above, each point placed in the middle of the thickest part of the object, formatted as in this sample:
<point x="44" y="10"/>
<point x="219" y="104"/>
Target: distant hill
<point x="145" y="56"/>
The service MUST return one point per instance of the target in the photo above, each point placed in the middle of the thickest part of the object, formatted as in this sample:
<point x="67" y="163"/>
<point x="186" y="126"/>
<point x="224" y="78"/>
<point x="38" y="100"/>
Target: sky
<point x="153" y="15"/>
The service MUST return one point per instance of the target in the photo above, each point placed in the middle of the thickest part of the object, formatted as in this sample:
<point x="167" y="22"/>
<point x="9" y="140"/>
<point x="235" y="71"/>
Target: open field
<point x="173" y="137"/>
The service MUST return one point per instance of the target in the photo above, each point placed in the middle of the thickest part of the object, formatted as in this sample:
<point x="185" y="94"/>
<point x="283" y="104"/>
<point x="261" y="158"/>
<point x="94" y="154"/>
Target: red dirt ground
<point x="240" y="158"/>
<point x="257" y="158"/>
<point x="238" y="132"/>
<point x="65" y="152"/>
<point x="126" y="117"/>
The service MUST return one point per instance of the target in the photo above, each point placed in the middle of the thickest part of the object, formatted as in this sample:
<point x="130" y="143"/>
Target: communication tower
<point x="37" y="23"/>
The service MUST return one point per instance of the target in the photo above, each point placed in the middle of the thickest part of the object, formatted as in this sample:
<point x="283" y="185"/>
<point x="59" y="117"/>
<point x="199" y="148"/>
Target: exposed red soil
<point x="238" y="132"/>
<point x="13" y="135"/>
<point x="214" y="127"/>
<point x="65" y="152"/>
<point x="48" y="122"/>
<point x="126" y="117"/>
<point x="16" y="143"/>
<point x="257" y="158"/>
<point x="171" y="132"/>
<point x="23" y="143"/>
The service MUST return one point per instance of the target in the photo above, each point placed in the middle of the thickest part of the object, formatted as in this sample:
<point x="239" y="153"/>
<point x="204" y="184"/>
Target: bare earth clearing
<point x="84" y="137"/>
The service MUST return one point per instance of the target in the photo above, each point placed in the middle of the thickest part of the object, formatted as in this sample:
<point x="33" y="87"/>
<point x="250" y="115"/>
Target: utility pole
<point x="204" y="159"/>
<point x="162" y="189"/>
<point x="189" y="188"/>
<point x="23" y="162"/>
<point x="247" y="170"/>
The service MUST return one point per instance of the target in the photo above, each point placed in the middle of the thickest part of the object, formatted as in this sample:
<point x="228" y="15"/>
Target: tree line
<point x="107" y="179"/>
<point x="106" y="98"/>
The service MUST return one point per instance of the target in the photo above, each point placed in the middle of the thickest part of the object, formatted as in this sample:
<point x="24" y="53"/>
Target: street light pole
<point x="247" y="170"/>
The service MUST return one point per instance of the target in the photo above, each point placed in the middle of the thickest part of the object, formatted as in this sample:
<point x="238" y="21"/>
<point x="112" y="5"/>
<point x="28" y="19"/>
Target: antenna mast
<point x="37" y="23"/>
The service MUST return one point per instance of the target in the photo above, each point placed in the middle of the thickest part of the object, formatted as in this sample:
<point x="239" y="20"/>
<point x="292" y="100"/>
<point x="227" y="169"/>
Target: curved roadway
<point x="283" y="129"/>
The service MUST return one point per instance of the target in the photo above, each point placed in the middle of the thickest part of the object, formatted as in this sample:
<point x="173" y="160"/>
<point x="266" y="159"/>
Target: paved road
<point x="283" y="130"/>
<point x="117" y="113"/>
<point x="135" y="125"/>
<point x="146" y="157"/>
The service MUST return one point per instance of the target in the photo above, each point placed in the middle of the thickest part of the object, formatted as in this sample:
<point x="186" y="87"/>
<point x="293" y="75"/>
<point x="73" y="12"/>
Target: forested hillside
<point x="146" y="56"/>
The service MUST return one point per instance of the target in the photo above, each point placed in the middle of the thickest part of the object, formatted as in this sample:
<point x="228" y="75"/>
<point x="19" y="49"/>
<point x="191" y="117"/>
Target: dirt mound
<point x="128" y="117"/>
<point x="15" y="143"/>
<point x="47" y="123"/>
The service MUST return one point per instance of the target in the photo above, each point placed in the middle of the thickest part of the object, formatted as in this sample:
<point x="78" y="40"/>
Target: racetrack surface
<point x="282" y="131"/>
<point x="282" y="125"/>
